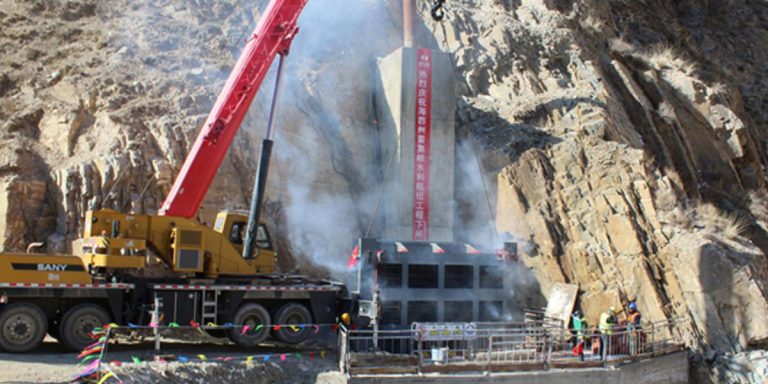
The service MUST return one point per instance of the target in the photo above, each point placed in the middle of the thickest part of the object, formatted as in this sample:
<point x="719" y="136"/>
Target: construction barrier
<point x="496" y="347"/>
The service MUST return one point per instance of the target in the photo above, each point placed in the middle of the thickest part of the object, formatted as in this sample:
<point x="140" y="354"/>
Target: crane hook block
<point x="437" y="10"/>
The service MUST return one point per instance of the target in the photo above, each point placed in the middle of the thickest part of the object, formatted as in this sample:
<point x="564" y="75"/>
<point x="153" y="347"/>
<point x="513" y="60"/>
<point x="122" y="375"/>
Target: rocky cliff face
<point x="628" y="144"/>
<point x="624" y="142"/>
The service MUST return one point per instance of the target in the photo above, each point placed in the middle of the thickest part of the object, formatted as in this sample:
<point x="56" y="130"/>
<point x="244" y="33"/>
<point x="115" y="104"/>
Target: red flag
<point x="352" y="262"/>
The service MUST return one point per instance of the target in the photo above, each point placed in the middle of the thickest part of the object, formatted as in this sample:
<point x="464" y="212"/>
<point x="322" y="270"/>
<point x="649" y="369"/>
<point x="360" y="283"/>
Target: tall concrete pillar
<point x="415" y="103"/>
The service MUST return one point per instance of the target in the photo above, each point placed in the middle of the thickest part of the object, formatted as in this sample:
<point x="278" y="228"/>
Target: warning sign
<point x="444" y="331"/>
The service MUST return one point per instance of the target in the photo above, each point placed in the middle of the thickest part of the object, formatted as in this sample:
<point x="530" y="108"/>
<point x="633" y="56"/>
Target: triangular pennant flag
<point x="135" y="360"/>
<point x="229" y="325"/>
<point x="258" y="327"/>
<point x="152" y="324"/>
<point x="436" y="248"/>
<point x="282" y="357"/>
<point x="202" y="357"/>
<point x="131" y="325"/>
<point x="89" y="352"/>
<point x="400" y="247"/>
<point x="92" y="345"/>
<point x="173" y="324"/>
<point x="298" y="355"/>
<point x="379" y="253"/>
<point x="322" y="354"/>
<point x="317" y="328"/>
<point x="245" y="329"/>
<point x="91" y="357"/>
<point x="276" y="328"/>
<point x="248" y="360"/>
<point x="471" y="250"/>
<point x="182" y="359"/>
<point x="311" y="355"/>
<point x="212" y="324"/>
<point x="116" y="363"/>
<point x="266" y="357"/>
<point x="105" y="378"/>
<point x="294" y="328"/>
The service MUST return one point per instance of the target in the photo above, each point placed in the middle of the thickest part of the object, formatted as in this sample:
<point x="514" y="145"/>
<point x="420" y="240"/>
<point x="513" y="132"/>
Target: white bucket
<point x="439" y="354"/>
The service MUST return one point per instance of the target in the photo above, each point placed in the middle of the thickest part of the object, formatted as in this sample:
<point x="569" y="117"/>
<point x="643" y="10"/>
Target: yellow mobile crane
<point x="124" y="262"/>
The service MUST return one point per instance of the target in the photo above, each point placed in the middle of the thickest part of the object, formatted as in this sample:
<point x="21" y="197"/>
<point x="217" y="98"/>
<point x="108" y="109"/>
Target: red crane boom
<point x="272" y="36"/>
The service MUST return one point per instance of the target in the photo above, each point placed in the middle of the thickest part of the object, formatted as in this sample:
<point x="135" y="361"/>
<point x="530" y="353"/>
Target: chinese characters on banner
<point x="421" y="150"/>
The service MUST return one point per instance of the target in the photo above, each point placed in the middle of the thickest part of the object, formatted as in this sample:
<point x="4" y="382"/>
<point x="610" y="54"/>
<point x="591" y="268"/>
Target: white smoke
<point x="326" y="168"/>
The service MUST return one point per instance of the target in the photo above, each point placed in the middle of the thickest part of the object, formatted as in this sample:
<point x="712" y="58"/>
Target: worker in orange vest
<point x="634" y="326"/>
<point x="635" y="317"/>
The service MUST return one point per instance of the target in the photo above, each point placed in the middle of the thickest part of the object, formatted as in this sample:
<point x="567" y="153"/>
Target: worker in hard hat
<point x="607" y="322"/>
<point x="579" y="326"/>
<point x="634" y="319"/>
<point x="635" y="328"/>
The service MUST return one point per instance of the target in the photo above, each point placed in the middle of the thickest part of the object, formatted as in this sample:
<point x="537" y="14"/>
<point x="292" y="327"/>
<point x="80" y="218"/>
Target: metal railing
<point x="498" y="347"/>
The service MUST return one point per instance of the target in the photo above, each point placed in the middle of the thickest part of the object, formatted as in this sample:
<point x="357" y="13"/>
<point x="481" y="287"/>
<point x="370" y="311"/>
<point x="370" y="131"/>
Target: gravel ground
<point x="52" y="363"/>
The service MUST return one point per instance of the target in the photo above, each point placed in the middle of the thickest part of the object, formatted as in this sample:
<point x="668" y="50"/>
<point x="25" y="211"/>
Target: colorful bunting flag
<point x="105" y="378"/>
<point x="400" y="247"/>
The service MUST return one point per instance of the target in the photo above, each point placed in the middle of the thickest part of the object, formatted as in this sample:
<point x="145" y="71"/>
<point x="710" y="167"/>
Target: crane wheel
<point x="252" y="315"/>
<point x="22" y="327"/>
<point x="77" y="324"/>
<point x="293" y="313"/>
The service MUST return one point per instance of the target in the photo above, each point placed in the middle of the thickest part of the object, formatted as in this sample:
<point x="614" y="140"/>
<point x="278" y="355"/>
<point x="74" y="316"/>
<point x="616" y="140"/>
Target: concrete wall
<point x="395" y="106"/>
<point x="669" y="369"/>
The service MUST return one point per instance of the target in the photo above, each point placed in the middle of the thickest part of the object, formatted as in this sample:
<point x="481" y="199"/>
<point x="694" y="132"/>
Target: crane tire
<point x="252" y="315"/>
<point x="22" y="327"/>
<point x="293" y="313"/>
<point x="78" y="322"/>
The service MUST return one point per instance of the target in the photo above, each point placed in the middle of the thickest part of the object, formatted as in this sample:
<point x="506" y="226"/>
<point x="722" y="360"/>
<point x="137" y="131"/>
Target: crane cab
<point x="233" y="226"/>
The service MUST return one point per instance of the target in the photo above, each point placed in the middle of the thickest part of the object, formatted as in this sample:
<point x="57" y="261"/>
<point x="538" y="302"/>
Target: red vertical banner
<point x="421" y="144"/>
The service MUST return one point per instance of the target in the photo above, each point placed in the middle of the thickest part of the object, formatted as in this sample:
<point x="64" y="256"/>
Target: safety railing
<point x="499" y="347"/>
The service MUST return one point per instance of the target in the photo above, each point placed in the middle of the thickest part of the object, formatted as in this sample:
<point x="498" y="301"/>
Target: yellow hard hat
<point x="345" y="318"/>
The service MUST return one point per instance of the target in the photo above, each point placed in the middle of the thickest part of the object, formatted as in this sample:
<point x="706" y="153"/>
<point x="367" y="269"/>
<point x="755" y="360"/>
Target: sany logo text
<point x="52" y="267"/>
